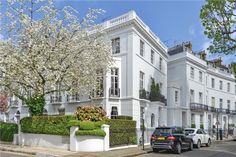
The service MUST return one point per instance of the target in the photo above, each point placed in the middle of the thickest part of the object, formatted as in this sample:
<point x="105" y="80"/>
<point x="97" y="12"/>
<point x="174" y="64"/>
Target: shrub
<point x="55" y="125"/>
<point x="7" y="131"/>
<point x="193" y="125"/>
<point x="86" y="125"/>
<point x="124" y="117"/>
<point x="90" y="113"/>
<point x="73" y="123"/>
<point x="122" y="131"/>
<point x="95" y="132"/>
<point x="201" y="126"/>
<point x="155" y="91"/>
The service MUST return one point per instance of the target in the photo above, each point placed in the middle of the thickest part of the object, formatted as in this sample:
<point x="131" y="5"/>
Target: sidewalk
<point x="50" y="152"/>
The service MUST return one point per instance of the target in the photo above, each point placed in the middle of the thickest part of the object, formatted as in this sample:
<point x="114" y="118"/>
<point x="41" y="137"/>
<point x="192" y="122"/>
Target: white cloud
<point x="226" y="59"/>
<point x="192" y="30"/>
<point x="205" y="45"/>
<point x="1" y="36"/>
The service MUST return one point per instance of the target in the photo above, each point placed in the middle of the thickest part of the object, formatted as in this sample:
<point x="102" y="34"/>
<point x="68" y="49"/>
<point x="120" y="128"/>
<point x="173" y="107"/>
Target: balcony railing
<point x="56" y="99"/>
<point x="72" y="97"/>
<point x="14" y="103"/>
<point x="233" y="112"/>
<point x="114" y="92"/>
<point x="198" y="107"/>
<point x="202" y="107"/>
<point x="144" y="94"/>
<point x="97" y="94"/>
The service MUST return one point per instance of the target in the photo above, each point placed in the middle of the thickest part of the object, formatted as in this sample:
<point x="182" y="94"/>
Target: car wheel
<point x="208" y="143"/>
<point x="155" y="150"/>
<point x="191" y="146"/>
<point x="198" y="144"/>
<point x="178" y="148"/>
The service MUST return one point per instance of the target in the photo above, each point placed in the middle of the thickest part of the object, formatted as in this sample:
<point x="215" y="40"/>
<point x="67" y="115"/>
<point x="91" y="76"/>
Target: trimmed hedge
<point x="7" y="131"/>
<point x="88" y="128"/>
<point x="55" y="125"/>
<point x="122" y="132"/>
<point x="124" y="117"/>
<point x="86" y="125"/>
<point x="95" y="132"/>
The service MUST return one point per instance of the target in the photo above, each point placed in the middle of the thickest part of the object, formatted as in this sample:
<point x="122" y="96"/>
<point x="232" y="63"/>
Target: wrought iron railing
<point x="56" y="99"/>
<point x="72" y="97"/>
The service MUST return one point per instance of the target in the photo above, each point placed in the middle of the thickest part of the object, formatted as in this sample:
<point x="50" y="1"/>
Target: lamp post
<point x="17" y="115"/>
<point x="143" y="114"/>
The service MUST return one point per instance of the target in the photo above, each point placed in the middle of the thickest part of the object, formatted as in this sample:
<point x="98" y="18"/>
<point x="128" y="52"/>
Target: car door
<point x="184" y="138"/>
<point x="206" y="136"/>
<point x="200" y="135"/>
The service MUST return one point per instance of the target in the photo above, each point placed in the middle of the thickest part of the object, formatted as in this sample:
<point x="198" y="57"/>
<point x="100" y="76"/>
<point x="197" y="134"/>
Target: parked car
<point x="199" y="137"/>
<point x="170" y="138"/>
<point x="234" y="133"/>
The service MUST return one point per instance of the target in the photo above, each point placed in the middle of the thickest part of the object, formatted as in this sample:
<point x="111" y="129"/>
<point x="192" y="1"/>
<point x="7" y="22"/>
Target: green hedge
<point x="122" y="132"/>
<point x="55" y="125"/>
<point x="7" y="131"/>
<point x="124" y="117"/>
<point x="88" y="128"/>
<point x="95" y="132"/>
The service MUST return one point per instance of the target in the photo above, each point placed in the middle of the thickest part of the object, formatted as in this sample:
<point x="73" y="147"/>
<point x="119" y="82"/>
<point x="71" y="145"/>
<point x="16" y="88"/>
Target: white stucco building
<point x="199" y="91"/>
<point x="139" y="56"/>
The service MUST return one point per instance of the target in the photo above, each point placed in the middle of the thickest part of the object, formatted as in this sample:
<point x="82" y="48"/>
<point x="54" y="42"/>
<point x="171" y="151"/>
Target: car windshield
<point x="189" y="131"/>
<point x="162" y="132"/>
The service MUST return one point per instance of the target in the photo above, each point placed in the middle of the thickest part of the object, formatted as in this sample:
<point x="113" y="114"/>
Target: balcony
<point x="227" y="111"/>
<point x="114" y="92"/>
<point x="14" y="103"/>
<point x="56" y="99"/>
<point x="233" y="112"/>
<point x="198" y="107"/>
<point x="97" y="94"/>
<point x="143" y="94"/>
<point x="72" y="97"/>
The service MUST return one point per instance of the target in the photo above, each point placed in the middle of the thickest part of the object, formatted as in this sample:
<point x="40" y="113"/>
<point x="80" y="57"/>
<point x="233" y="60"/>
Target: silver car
<point x="199" y="137"/>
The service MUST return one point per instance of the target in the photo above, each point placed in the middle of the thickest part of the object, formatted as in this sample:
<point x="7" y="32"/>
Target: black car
<point x="170" y="138"/>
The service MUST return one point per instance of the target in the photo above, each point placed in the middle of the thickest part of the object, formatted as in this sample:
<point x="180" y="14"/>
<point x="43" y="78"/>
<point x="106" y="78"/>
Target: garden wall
<point x="43" y="140"/>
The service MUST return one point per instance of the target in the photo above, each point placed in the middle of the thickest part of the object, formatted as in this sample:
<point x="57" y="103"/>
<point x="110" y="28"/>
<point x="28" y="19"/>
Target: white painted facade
<point x="190" y="91"/>
<point x="130" y="30"/>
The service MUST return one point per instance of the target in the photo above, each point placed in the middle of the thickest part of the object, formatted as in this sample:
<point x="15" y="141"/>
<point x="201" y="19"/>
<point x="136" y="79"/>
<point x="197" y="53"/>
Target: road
<point x="226" y="149"/>
<point x="11" y="154"/>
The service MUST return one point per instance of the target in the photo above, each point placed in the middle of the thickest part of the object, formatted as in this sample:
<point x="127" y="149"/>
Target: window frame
<point x="142" y="48"/>
<point x="114" y="43"/>
<point x="152" y="56"/>
<point x="141" y="80"/>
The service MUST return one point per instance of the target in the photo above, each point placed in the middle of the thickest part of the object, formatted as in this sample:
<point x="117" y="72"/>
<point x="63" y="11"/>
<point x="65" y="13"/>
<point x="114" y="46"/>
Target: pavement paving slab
<point x="51" y="152"/>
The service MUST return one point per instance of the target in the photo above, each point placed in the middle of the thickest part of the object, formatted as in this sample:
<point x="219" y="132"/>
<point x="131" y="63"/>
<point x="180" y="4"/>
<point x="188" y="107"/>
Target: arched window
<point x="114" y="112"/>
<point x="152" y="120"/>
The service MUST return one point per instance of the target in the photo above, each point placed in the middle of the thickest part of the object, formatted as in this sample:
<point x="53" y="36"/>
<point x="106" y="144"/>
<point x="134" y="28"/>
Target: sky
<point x="173" y="21"/>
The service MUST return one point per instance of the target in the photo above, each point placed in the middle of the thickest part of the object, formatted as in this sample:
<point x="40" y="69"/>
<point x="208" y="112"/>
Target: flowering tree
<point x="3" y="103"/>
<point x="49" y="50"/>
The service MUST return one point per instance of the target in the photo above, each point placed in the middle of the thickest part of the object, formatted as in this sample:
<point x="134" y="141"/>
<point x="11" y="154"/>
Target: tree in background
<point x="3" y="102"/>
<point x="46" y="50"/>
<point x="219" y="19"/>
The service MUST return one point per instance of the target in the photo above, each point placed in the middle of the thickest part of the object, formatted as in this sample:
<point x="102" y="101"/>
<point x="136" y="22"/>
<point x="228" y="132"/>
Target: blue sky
<point x="174" y="21"/>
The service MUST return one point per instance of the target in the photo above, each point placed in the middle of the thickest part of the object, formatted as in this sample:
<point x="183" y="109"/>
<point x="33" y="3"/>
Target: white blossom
<point x="55" y="48"/>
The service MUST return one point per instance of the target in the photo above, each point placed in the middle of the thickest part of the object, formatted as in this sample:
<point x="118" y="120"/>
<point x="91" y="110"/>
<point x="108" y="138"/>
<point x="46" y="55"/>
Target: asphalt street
<point x="226" y="149"/>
